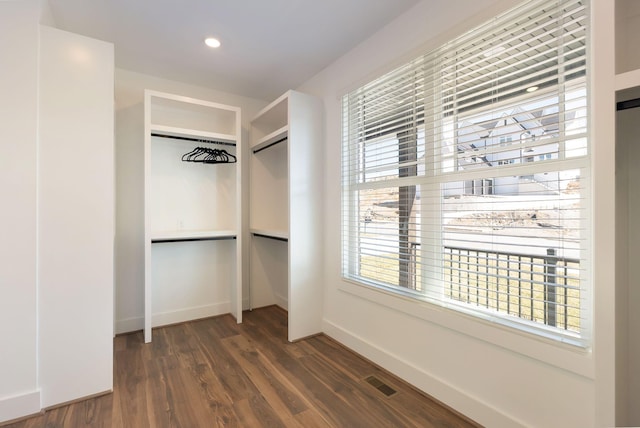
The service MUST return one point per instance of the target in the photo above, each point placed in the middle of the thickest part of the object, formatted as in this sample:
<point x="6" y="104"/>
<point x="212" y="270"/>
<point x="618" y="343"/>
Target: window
<point x="465" y="173"/>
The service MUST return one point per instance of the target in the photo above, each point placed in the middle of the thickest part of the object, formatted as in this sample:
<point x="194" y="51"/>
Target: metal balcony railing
<point x="543" y="289"/>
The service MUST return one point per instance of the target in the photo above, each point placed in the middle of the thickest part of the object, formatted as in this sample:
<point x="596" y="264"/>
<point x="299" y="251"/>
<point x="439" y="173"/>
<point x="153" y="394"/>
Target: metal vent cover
<point x="380" y="386"/>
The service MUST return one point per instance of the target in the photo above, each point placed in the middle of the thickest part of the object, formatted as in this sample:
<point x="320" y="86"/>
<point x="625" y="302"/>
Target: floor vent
<point x="380" y="386"/>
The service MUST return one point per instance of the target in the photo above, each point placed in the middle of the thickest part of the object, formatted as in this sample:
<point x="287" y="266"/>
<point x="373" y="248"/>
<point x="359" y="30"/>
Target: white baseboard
<point x="282" y="301"/>
<point x="19" y="406"/>
<point x="188" y="314"/>
<point x="128" y="325"/>
<point x="470" y="406"/>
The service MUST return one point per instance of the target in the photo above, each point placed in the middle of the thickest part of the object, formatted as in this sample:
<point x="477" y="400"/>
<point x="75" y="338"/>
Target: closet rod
<point x="269" y="145"/>
<point x="277" y="238"/>
<point x="213" y="238"/>
<point x="625" y="105"/>
<point x="198" y="140"/>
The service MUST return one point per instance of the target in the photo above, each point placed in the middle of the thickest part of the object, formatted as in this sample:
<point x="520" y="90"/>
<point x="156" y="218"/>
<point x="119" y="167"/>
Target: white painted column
<point x="75" y="216"/>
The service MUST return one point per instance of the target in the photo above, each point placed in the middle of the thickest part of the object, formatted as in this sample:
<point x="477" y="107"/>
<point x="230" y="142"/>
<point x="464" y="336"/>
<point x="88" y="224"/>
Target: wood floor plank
<point x="116" y="413"/>
<point x="229" y="373"/>
<point x="158" y="397"/>
<point x="256" y="411"/>
<point x="351" y="364"/>
<point x="130" y="384"/>
<point x="310" y="418"/>
<point x="217" y="373"/>
<point x="275" y="346"/>
<point x="272" y="322"/>
<point x="94" y="412"/>
<point x="355" y="399"/>
<point x="245" y="415"/>
<point x="272" y="384"/>
<point x="37" y="421"/>
<point x="224" y="326"/>
<point x="204" y="387"/>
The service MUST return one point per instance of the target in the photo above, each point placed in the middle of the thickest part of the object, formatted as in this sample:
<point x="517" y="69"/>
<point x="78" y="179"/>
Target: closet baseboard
<point x="282" y="301"/>
<point x="19" y="406"/>
<point x="129" y="325"/>
<point x="188" y="314"/>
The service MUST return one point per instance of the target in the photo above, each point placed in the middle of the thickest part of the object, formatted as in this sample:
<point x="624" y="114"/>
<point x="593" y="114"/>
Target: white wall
<point x="627" y="35"/>
<point x="495" y="376"/>
<point x="19" y="393"/>
<point x="429" y="348"/>
<point x="54" y="348"/>
<point x="130" y="88"/>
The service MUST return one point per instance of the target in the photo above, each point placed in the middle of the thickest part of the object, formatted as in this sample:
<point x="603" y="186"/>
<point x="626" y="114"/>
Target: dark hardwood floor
<point x="214" y="372"/>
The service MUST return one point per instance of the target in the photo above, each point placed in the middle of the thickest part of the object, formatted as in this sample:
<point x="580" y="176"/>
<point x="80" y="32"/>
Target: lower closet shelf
<point x="271" y="234"/>
<point x="186" y="236"/>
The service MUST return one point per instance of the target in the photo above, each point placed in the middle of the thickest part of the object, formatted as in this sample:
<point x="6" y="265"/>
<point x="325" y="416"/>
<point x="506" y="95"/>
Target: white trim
<point x="19" y="406"/>
<point x="129" y="325"/>
<point x="282" y="301"/>
<point x="189" y="314"/>
<point x="189" y="100"/>
<point x="603" y="132"/>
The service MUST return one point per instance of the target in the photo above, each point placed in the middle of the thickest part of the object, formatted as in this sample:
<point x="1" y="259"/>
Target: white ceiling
<point x="268" y="46"/>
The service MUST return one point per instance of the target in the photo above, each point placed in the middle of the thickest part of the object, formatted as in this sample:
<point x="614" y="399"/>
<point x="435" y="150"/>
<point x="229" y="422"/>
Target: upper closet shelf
<point x="277" y="136"/>
<point x="172" y="131"/>
<point x="628" y="80"/>
<point x="192" y="235"/>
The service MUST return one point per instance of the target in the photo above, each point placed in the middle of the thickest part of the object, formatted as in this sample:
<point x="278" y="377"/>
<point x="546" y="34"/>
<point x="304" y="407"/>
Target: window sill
<point x="569" y="357"/>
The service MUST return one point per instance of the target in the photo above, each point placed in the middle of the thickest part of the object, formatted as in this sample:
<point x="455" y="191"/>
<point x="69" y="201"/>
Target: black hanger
<point x="208" y="155"/>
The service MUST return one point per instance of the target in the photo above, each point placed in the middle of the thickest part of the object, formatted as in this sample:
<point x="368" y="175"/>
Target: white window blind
<point x="465" y="173"/>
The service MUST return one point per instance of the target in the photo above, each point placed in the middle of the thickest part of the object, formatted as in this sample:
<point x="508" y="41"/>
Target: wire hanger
<point x="209" y="155"/>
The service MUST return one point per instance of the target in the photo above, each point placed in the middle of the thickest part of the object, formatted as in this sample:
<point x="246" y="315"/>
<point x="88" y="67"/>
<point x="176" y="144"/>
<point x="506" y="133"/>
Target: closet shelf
<point x="172" y="131"/>
<point x="273" y="234"/>
<point x="192" y="235"/>
<point x="270" y="139"/>
<point x="628" y="80"/>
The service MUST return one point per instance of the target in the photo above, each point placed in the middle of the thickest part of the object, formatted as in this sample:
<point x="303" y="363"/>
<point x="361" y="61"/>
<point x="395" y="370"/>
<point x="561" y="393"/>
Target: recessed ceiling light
<point x="532" y="89"/>
<point x="211" y="42"/>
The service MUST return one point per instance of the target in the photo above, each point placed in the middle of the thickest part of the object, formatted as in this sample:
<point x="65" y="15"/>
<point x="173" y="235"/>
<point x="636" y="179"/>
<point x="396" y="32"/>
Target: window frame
<point x="432" y="179"/>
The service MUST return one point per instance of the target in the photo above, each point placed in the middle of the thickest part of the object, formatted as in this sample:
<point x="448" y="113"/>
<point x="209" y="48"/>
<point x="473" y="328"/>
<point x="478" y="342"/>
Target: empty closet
<point x="192" y="210"/>
<point x="286" y="212"/>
